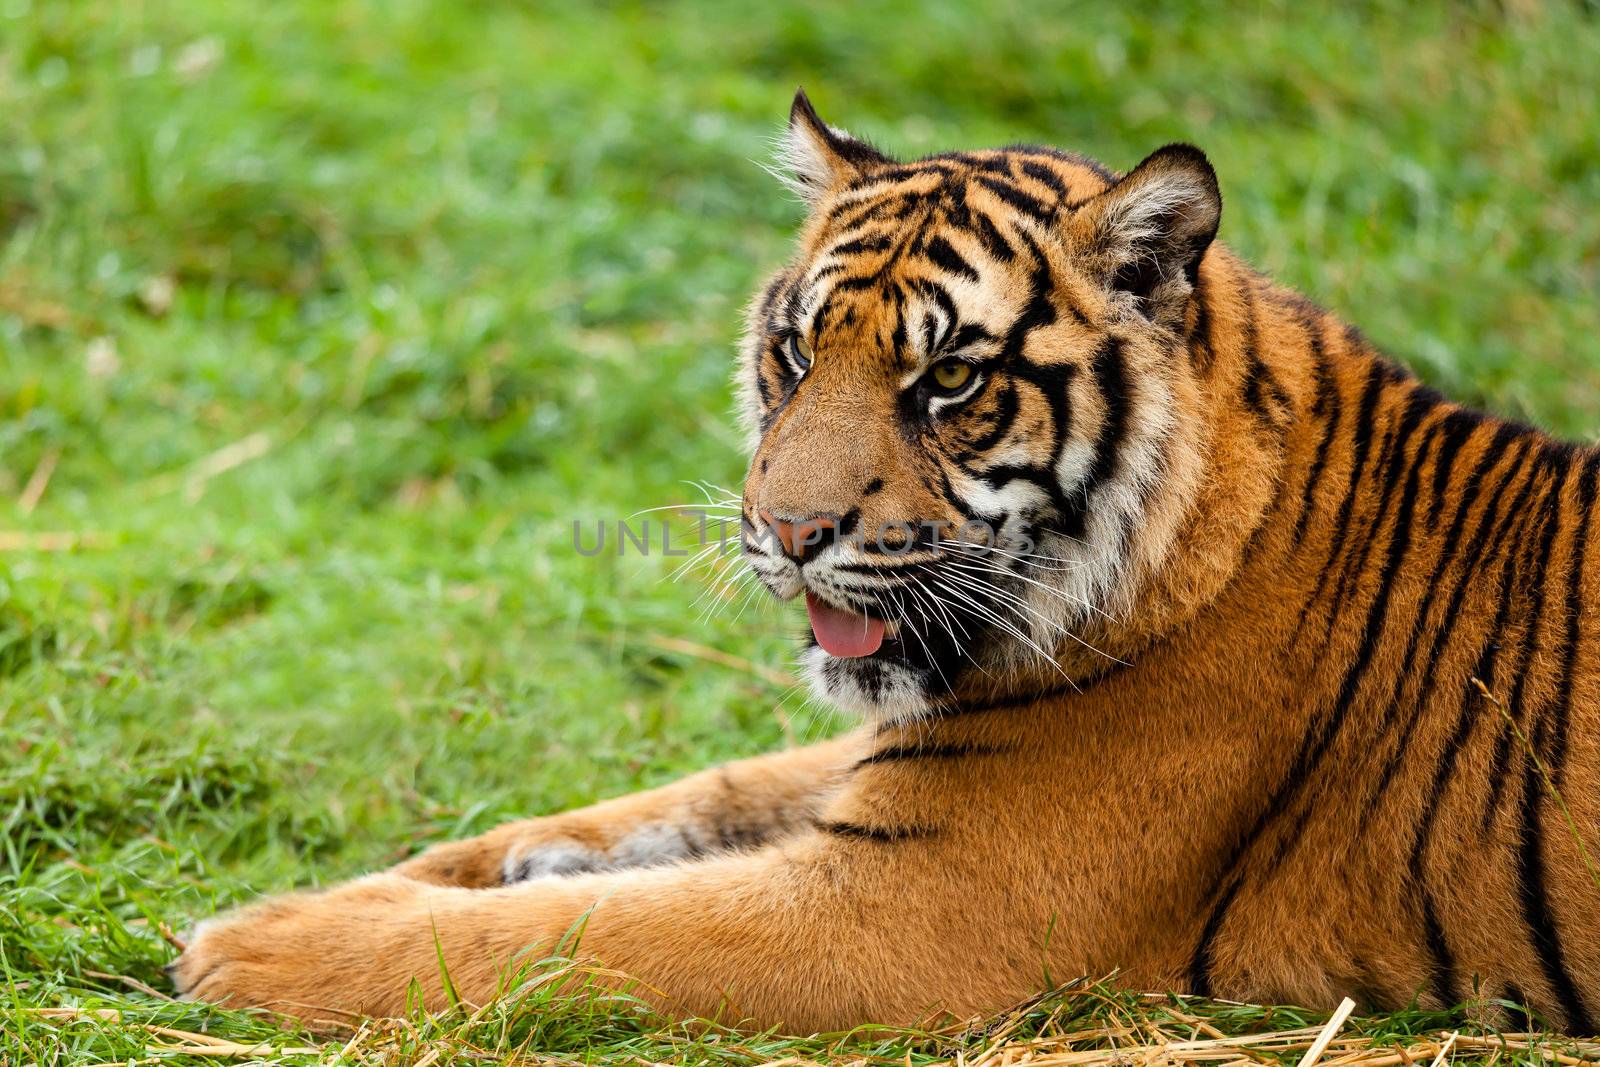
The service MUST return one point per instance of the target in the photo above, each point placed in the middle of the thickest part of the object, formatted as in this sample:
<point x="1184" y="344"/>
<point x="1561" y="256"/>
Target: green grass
<point x="326" y="320"/>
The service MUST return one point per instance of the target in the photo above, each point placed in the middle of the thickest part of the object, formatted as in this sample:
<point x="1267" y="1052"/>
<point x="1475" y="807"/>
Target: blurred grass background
<point x="320" y="324"/>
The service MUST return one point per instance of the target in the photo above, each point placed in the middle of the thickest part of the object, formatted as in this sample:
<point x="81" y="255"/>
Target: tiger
<point x="1275" y="676"/>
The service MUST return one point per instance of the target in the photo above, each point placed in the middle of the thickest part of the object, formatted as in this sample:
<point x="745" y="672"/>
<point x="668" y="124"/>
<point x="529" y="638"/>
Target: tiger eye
<point x="952" y="374"/>
<point x="799" y="351"/>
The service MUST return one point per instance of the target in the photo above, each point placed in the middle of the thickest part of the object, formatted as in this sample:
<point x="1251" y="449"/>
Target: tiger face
<point x="971" y="407"/>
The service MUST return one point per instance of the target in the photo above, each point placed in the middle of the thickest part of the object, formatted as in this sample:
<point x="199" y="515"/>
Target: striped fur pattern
<point x="1278" y="680"/>
<point x="1066" y="449"/>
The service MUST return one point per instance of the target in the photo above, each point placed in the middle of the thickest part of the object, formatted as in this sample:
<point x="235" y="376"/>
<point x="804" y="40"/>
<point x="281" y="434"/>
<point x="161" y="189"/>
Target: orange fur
<point x="1260" y="767"/>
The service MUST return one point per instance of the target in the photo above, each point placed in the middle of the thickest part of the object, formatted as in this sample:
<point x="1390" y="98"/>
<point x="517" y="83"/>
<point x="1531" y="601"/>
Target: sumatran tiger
<point x="1277" y="677"/>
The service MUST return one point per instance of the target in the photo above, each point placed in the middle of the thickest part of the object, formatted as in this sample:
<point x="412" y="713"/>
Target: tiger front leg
<point x="741" y="805"/>
<point x="822" y="932"/>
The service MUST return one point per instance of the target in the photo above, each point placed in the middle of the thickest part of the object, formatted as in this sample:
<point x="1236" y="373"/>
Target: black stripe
<point x="860" y="212"/>
<point x="1332" y="717"/>
<point x="1443" y="969"/>
<point x="1532" y="876"/>
<point x="993" y="241"/>
<point x="881" y="834"/>
<point x="892" y="566"/>
<point x="899" y="172"/>
<point x="1519" y="1019"/>
<point x="1488" y="665"/>
<point x="1444" y="980"/>
<point x="968" y="333"/>
<point x="941" y="296"/>
<point x="944" y="256"/>
<point x="857" y="283"/>
<point x="1075" y="687"/>
<point x="1479" y="555"/>
<point x="1574" y="607"/>
<point x="904" y="753"/>
<point x="1457" y="428"/>
<point x="930" y="337"/>
<point x="1533" y="892"/>
<point x="1038" y="313"/>
<point x="1044" y="176"/>
<point x="1480" y="536"/>
<point x="1045" y="289"/>
<point x="1354" y="564"/>
<point x="1258" y="379"/>
<point x="1202" y="354"/>
<point x="1452" y="434"/>
<point x="898" y="336"/>
<point x="1254" y="370"/>
<point x="788" y="314"/>
<point x="1010" y="194"/>
<point x="1201" y="963"/>
<point x="1520" y="667"/>
<point x="1361" y="439"/>
<point x="1005" y="417"/>
<point x="1447" y="552"/>
<point x="1053" y="383"/>
<point x="828" y="271"/>
<point x="876" y="242"/>
<point x="769" y="299"/>
<point x="1328" y="407"/>
<point x="1314" y="743"/>
<point x="994" y="163"/>
<point x="1111" y="382"/>
<point x="1094" y="167"/>
<point x="998" y="477"/>
<point x="947" y="491"/>
<point x="1418" y="404"/>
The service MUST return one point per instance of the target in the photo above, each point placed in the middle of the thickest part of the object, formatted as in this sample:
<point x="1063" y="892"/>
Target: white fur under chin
<point x="902" y="698"/>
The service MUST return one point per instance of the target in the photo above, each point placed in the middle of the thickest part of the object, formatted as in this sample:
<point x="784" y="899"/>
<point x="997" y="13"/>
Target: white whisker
<point x="1017" y="605"/>
<point x="985" y="613"/>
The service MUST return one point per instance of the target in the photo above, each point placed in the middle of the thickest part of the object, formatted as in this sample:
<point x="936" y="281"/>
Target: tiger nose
<point x="801" y="535"/>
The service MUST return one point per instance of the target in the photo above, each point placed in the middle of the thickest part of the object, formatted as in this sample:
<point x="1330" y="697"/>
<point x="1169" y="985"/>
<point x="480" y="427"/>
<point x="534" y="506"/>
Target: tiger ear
<point x="1147" y="233"/>
<point x="814" y="157"/>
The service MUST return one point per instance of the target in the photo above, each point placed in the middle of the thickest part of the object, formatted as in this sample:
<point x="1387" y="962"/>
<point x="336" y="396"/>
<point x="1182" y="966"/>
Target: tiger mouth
<point x="874" y="642"/>
<point x="846" y="634"/>
<point x="896" y="650"/>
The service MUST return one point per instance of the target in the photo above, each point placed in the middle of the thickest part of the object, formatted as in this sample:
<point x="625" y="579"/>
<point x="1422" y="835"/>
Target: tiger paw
<point x="323" y="957"/>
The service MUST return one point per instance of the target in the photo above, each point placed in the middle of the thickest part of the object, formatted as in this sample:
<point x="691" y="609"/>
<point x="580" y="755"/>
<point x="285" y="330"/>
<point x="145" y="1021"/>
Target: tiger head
<point x="968" y="401"/>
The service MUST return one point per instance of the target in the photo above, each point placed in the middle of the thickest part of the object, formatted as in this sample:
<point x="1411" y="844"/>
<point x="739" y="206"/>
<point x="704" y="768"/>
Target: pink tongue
<point x="841" y="633"/>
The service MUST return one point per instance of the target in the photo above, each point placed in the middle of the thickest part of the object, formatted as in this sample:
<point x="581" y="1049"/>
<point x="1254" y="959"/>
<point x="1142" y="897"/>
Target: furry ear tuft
<point x="1147" y="233"/>
<point x="814" y="157"/>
